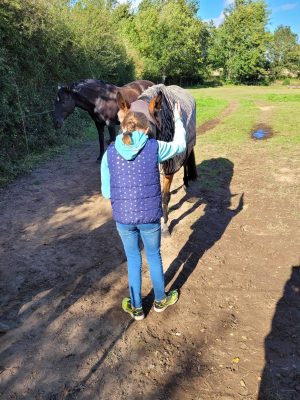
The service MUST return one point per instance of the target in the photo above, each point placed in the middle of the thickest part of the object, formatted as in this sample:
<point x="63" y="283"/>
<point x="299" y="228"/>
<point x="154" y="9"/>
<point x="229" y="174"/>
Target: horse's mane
<point x="167" y="120"/>
<point x="172" y="94"/>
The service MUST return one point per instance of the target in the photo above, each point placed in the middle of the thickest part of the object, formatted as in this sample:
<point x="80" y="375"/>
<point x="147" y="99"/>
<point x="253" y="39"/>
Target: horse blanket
<point x="172" y="94"/>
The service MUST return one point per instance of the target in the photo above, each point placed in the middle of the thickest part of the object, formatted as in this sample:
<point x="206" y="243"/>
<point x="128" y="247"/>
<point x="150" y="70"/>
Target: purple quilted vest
<point x="135" y="185"/>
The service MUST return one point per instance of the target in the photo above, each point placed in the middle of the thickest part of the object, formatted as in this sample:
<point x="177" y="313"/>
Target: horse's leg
<point x="112" y="133"/>
<point x="100" y="129"/>
<point x="192" y="167"/>
<point x="167" y="180"/>
<point x="190" y="170"/>
<point x="190" y="174"/>
<point x="185" y="176"/>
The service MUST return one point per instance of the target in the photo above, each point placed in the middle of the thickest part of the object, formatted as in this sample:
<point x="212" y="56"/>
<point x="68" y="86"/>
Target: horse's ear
<point x="155" y="103"/>
<point x="122" y="102"/>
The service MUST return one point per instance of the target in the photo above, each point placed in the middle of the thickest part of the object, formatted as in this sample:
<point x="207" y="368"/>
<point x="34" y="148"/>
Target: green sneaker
<point x="169" y="300"/>
<point x="136" y="313"/>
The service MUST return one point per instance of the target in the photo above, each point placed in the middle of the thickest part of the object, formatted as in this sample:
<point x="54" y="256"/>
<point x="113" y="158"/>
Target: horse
<point x="98" y="98"/>
<point x="158" y="102"/>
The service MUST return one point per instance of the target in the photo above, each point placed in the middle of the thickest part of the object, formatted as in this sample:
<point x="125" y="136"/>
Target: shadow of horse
<point x="281" y="374"/>
<point x="214" y="190"/>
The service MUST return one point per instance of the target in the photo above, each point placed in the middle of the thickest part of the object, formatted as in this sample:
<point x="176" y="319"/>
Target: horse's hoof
<point x="192" y="193"/>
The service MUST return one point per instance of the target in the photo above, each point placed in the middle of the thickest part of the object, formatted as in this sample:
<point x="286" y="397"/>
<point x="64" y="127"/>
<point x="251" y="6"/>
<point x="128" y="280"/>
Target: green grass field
<point x="275" y="106"/>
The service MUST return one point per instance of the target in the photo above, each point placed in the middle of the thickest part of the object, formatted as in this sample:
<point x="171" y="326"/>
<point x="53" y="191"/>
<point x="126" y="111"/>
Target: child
<point x="130" y="178"/>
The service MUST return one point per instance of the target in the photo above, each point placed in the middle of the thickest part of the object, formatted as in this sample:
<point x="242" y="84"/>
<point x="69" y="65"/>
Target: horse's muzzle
<point x="57" y="124"/>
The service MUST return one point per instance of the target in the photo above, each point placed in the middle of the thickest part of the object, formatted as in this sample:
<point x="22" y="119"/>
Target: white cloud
<point x="133" y="3"/>
<point x="285" y="7"/>
<point x="220" y="19"/>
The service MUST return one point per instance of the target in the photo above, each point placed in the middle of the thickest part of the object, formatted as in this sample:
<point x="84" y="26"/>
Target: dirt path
<point x="232" y="253"/>
<point x="209" y="125"/>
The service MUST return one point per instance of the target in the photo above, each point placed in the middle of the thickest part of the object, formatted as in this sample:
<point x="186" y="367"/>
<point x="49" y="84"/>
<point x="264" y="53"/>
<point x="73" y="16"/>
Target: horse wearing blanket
<point x="160" y="101"/>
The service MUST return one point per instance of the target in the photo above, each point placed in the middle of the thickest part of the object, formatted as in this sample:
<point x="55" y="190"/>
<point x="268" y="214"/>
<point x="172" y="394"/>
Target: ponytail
<point x="127" y="138"/>
<point x="133" y="121"/>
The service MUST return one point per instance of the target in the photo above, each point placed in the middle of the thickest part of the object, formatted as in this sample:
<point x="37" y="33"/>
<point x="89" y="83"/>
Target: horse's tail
<point x="190" y="170"/>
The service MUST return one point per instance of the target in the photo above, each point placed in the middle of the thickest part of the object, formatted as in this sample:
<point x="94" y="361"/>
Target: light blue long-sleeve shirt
<point x="166" y="150"/>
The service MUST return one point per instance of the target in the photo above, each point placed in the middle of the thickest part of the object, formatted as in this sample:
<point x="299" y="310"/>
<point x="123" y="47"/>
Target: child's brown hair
<point x="133" y="121"/>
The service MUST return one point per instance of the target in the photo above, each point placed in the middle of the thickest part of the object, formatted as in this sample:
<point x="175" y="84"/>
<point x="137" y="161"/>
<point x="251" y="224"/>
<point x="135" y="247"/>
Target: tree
<point x="284" y="51"/>
<point x="239" y="44"/>
<point x="166" y="39"/>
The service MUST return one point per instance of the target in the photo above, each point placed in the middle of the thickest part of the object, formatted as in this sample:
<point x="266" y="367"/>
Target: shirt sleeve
<point x="105" y="177"/>
<point x="168" y="150"/>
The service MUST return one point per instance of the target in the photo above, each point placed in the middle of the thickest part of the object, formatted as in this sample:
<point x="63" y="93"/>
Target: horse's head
<point x="152" y="110"/>
<point x="64" y="105"/>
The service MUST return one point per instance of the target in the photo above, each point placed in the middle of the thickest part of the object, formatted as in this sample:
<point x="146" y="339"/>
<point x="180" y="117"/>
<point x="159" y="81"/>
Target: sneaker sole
<point x="163" y="309"/>
<point x="136" y="317"/>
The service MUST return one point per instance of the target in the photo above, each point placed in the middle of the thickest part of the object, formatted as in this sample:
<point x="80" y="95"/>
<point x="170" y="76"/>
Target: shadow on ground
<point x="281" y="375"/>
<point x="69" y="340"/>
<point x="213" y="189"/>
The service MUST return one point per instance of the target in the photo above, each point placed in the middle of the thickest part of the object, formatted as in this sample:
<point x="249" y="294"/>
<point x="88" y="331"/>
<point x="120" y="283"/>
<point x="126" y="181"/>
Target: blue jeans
<point x="151" y="236"/>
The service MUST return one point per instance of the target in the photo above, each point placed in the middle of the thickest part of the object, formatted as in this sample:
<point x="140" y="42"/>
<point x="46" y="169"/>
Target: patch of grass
<point x="235" y="128"/>
<point x="282" y="98"/>
<point x="286" y="122"/>
<point x="208" y="108"/>
<point x="91" y="132"/>
<point x="11" y="171"/>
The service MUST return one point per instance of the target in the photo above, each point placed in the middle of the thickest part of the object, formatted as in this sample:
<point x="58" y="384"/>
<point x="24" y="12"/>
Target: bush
<point x="43" y="44"/>
<point x="286" y="81"/>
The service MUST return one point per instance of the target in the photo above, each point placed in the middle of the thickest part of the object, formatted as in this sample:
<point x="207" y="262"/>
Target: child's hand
<point x="177" y="111"/>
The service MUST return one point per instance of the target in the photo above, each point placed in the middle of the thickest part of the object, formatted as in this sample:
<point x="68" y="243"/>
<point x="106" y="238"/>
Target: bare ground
<point x="234" y="254"/>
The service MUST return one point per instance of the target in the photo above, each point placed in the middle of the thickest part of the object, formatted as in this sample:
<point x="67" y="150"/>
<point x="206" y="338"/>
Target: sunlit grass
<point x="236" y="127"/>
<point x="232" y="131"/>
<point x="209" y="108"/>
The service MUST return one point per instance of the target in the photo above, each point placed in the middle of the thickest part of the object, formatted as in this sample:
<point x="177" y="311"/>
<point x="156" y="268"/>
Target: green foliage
<point x="166" y="39"/>
<point x="43" y="44"/>
<point x="239" y="44"/>
<point x="284" y="52"/>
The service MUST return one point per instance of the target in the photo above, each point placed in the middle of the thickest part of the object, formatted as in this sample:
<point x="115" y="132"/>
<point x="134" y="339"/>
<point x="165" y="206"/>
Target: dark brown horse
<point x="159" y="101"/>
<point x="99" y="100"/>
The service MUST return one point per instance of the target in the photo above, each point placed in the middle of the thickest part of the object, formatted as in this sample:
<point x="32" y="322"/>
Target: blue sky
<point x="283" y="12"/>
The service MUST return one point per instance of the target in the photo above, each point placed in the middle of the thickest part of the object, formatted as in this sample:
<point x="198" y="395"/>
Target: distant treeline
<point x="44" y="43"/>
